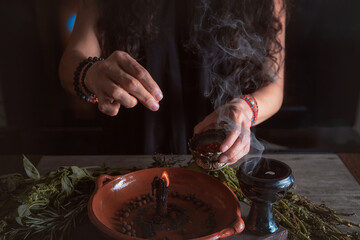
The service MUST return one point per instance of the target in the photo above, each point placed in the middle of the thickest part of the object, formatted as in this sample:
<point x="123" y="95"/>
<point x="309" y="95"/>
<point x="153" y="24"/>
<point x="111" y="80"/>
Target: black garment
<point x="182" y="78"/>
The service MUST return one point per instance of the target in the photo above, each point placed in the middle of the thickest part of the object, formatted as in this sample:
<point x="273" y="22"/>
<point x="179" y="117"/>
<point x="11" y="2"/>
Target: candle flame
<point x="165" y="176"/>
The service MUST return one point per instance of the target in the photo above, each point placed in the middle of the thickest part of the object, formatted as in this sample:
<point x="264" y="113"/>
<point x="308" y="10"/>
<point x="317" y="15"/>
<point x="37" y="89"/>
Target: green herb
<point x="50" y="206"/>
<point x="301" y="217"/>
<point x="30" y="169"/>
<point x="46" y="207"/>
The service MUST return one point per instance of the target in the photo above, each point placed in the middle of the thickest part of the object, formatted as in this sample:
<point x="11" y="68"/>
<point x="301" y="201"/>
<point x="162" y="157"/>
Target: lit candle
<point x="160" y="185"/>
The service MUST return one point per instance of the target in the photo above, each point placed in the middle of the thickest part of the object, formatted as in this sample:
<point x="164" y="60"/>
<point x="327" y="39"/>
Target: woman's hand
<point x="235" y="117"/>
<point x="121" y="80"/>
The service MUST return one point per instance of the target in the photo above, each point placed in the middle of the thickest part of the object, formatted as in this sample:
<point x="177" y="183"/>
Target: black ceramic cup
<point x="264" y="181"/>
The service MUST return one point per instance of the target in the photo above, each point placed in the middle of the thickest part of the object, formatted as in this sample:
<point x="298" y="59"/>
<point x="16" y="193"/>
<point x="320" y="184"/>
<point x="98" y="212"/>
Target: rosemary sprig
<point x="50" y="206"/>
<point x="46" y="207"/>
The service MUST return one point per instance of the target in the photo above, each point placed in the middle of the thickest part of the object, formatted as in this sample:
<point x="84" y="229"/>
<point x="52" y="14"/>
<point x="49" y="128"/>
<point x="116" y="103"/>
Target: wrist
<point x="79" y="80"/>
<point x="88" y="82"/>
<point x="245" y="109"/>
<point x="252" y="107"/>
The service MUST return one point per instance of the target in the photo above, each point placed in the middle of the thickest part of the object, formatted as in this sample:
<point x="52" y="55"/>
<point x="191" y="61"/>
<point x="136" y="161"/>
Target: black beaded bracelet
<point x="83" y="80"/>
<point x="88" y="63"/>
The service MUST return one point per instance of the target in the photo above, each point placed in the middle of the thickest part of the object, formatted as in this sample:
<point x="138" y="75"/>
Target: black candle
<point x="160" y="185"/>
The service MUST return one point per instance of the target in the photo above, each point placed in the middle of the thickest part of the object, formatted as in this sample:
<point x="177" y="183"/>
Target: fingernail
<point x="224" y="148"/>
<point x="155" y="106"/>
<point x="159" y="96"/>
<point x="223" y="158"/>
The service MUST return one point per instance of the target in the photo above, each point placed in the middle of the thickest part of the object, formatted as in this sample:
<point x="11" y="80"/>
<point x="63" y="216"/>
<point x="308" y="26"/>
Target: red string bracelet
<point x="251" y="101"/>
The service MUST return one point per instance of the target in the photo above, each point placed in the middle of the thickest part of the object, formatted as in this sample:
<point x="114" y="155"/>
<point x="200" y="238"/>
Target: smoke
<point x="255" y="153"/>
<point x="230" y="62"/>
<point x="231" y="52"/>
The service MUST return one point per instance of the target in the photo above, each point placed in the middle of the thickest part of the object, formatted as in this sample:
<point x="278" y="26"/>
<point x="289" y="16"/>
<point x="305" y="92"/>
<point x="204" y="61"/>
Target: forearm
<point x="69" y="62"/>
<point x="83" y="43"/>
<point x="269" y="100"/>
<point x="270" y="97"/>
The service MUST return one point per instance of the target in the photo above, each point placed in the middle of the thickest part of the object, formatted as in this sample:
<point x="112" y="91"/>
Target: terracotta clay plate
<point x="112" y="193"/>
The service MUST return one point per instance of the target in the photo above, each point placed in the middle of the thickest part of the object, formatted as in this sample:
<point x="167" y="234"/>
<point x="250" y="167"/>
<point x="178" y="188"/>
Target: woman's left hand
<point x="235" y="117"/>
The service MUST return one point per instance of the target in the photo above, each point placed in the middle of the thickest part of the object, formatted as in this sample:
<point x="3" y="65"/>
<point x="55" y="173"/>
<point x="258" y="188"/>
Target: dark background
<point x="321" y="109"/>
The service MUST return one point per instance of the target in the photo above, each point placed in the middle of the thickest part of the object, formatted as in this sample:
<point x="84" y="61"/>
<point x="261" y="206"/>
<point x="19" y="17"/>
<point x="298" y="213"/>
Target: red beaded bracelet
<point x="251" y="101"/>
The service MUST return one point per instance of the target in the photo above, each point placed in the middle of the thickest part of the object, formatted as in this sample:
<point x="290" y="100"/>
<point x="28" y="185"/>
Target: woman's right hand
<point x="120" y="80"/>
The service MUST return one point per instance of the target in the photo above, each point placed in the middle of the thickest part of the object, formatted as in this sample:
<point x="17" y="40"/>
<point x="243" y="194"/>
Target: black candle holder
<point x="264" y="181"/>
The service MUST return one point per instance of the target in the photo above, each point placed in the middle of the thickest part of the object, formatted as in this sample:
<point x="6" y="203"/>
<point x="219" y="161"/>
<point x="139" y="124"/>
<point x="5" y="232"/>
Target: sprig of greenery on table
<point x="50" y="206"/>
<point x="301" y="217"/>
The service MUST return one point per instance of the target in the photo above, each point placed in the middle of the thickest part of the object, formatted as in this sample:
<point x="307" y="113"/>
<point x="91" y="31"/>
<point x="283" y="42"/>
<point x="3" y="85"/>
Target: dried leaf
<point x="66" y="185"/>
<point x="77" y="174"/>
<point x="18" y="220"/>
<point x="30" y="169"/>
<point x="23" y="210"/>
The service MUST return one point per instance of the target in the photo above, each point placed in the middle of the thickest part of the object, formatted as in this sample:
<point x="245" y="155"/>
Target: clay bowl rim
<point x="286" y="178"/>
<point x="236" y="227"/>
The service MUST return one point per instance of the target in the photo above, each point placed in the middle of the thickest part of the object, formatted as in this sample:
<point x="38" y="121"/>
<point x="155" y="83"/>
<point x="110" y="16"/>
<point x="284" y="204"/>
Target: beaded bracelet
<point x="83" y="80"/>
<point x="88" y="63"/>
<point x="251" y="101"/>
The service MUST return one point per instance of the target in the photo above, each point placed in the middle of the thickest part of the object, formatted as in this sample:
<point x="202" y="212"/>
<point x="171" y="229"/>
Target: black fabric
<point x="182" y="78"/>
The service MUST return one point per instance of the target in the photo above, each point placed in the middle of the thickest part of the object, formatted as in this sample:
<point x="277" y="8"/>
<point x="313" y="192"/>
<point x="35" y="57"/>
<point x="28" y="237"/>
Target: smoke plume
<point x="235" y="65"/>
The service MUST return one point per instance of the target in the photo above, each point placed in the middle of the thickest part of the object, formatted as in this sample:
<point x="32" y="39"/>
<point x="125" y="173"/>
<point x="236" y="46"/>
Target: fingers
<point x="229" y="140"/>
<point x="138" y="72"/>
<point x="133" y="78"/>
<point x="119" y="95"/>
<point x="135" y="88"/>
<point x="232" y="118"/>
<point x="108" y="106"/>
<point x="242" y="153"/>
<point x="122" y="79"/>
<point x="238" y="149"/>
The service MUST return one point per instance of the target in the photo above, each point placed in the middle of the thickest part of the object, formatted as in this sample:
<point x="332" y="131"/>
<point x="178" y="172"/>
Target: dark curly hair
<point x="237" y="39"/>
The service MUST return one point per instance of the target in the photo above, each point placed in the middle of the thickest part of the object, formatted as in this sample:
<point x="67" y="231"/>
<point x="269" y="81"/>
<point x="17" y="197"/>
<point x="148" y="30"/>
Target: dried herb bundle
<point x="301" y="217"/>
<point x="161" y="161"/>
<point x="49" y="207"/>
<point x="46" y="207"/>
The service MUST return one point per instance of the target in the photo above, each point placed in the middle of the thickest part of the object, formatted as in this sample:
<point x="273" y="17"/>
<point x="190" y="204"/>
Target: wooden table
<point x="322" y="178"/>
